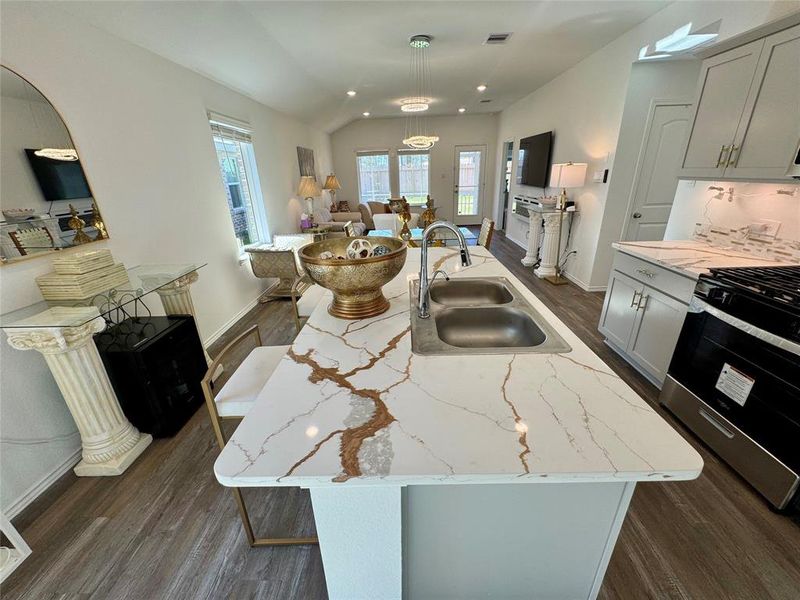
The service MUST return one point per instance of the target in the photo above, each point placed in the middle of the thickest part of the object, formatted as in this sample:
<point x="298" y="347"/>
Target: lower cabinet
<point x="641" y="322"/>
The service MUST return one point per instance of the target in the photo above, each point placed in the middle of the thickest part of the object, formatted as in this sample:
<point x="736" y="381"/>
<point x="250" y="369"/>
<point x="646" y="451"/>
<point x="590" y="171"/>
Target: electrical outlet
<point x="763" y="229"/>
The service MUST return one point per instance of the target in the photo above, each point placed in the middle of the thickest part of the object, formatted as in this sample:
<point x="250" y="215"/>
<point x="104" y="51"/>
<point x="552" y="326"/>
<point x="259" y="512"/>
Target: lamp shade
<point x="331" y="183"/>
<point x="568" y="175"/>
<point x="308" y="188"/>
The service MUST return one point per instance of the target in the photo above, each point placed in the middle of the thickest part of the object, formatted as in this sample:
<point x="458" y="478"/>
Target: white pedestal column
<point x="547" y="266"/>
<point x="176" y="298"/>
<point x="360" y="539"/>
<point x="110" y="443"/>
<point x="534" y="235"/>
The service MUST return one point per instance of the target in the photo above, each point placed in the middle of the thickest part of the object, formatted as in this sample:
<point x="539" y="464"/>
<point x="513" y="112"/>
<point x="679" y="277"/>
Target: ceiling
<point x="301" y="57"/>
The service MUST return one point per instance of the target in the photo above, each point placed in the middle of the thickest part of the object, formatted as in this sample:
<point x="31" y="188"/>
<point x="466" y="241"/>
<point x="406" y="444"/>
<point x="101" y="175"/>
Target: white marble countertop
<point x="691" y="258"/>
<point x="351" y="404"/>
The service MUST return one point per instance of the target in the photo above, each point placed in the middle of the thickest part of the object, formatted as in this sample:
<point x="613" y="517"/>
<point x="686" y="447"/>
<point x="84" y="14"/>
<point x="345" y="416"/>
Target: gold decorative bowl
<point x="356" y="283"/>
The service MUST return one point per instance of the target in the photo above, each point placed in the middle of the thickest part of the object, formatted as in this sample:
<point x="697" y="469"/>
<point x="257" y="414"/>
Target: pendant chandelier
<point x="417" y="104"/>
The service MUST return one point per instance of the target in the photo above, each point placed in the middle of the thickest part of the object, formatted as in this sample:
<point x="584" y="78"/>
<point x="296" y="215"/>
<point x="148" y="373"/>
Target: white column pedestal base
<point x="550" y="241"/>
<point x="115" y="466"/>
<point x="534" y="235"/>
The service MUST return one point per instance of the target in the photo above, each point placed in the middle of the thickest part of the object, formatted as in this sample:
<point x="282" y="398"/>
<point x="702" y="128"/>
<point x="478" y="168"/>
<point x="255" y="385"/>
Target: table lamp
<point x="308" y="189"/>
<point x="564" y="175"/>
<point x="332" y="184"/>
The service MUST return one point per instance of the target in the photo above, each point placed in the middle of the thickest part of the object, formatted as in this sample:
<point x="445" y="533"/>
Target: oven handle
<point x="717" y="425"/>
<point x="696" y="305"/>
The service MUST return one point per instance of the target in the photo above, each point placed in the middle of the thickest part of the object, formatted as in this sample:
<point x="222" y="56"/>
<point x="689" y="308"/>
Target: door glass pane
<point x="414" y="176"/>
<point x="469" y="176"/>
<point x="373" y="177"/>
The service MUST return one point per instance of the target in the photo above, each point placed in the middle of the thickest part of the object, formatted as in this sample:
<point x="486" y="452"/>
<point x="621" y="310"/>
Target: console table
<point x="62" y="331"/>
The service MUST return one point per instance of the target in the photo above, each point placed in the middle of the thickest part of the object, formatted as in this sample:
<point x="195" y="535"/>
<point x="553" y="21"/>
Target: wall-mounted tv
<point x="533" y="160"/>
<point x="59" y="179"/>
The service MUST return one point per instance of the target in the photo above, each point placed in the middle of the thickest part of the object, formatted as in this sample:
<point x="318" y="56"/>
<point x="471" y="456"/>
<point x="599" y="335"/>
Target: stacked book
<point x="81" y="276"/>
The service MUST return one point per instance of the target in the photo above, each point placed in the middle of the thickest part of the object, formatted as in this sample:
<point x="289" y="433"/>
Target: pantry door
<point x="469" y="183"/>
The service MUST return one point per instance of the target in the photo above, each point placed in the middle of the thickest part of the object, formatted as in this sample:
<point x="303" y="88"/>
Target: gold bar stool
<point x="234" y="401"/>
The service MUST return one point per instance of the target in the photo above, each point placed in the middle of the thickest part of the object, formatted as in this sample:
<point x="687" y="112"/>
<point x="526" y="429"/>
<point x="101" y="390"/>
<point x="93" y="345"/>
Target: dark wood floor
<point x="166" y="529"/>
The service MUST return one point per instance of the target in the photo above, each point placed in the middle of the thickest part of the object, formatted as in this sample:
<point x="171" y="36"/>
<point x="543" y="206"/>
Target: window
<point x="237" y="166"/>
<point x="373" y="176"/>
<point x="414" y="176"/>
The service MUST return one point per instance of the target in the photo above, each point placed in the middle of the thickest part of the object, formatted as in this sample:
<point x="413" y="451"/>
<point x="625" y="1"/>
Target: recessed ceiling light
<point x="462" y="109"/>
<point x="365" y="113"/>
<point x="351" y="93"/>
<point x="482" y="87"/>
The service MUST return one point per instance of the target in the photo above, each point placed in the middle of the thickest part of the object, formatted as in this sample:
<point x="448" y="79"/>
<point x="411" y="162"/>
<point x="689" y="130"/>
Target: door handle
<point x="637" y="215"/>
<point x="634" y="300"/>
<point x="722" y="151"/>
<point x="733" y="157"/>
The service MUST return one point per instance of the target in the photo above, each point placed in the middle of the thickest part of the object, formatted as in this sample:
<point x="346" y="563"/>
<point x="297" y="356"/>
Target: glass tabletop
<point x="142" y="280"/>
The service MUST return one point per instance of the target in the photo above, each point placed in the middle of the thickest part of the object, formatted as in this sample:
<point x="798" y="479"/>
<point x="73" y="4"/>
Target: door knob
<point x="637" y="215"/>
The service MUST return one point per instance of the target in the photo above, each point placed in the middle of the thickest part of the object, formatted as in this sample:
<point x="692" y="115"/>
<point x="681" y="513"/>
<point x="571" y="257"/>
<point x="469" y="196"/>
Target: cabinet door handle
<point x="646" y="273"/>
<point x="722" y="151"/>
<point x="733" y="157"/>
<point x="641" y="305"/>
<point x="637" y="215"/>
<point x="634" y="301"/>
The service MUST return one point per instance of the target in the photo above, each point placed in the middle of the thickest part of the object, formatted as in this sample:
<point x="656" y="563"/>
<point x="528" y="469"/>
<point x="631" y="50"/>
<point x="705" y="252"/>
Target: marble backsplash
<point x="737" y="239"/>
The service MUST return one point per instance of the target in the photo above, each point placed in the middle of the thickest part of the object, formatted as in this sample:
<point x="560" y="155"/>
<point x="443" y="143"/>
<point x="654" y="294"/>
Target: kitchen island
<point x="454" y="476"/>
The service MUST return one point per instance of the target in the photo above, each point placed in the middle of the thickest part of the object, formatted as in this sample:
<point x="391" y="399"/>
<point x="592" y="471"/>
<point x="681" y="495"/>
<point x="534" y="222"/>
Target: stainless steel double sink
<point x="480" y="316"/>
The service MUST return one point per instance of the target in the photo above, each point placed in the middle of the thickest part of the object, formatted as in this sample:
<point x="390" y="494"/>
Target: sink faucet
<point x="424" y="301"/>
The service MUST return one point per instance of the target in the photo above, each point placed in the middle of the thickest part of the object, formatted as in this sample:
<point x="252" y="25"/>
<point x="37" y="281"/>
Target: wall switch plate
<point x="764" y="229"/>
<point x="600" y="176"/>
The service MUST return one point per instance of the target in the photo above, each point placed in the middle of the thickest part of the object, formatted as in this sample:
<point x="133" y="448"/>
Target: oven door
<point x="738" y="388"/>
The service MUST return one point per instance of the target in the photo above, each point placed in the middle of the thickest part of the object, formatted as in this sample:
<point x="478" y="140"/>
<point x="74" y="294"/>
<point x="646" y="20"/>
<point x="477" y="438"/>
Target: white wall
<point x="695" y="203"/>
<point x="387" y="134"/>
<point x="139" y="123"/>
<point x="584" y="105"/>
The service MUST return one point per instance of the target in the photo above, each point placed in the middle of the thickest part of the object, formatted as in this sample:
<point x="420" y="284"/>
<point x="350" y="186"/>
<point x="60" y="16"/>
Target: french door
<point x="469" y="182"/>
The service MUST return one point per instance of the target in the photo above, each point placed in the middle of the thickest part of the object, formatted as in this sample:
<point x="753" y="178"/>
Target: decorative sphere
<point x="327" y="255"/>
<point x="359" y="249"/>
<point x="381" y="250"/>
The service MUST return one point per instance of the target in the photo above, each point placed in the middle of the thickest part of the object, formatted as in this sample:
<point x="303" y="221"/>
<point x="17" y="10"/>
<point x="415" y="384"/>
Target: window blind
<point x="230" y="128"/>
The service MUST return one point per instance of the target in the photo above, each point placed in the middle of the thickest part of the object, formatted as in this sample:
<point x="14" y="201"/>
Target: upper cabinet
<point x="747" y="114"/>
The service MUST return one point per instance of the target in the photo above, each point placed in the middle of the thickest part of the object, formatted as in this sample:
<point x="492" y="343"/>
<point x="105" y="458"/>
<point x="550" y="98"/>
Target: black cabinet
<point x="155" y="365"/>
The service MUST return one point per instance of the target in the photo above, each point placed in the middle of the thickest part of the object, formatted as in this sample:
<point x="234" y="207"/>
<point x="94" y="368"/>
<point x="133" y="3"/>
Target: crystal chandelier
<point x="420" y="81"/>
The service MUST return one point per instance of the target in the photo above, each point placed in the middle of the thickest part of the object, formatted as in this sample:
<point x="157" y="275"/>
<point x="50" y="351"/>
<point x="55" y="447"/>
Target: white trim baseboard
<point x="33" y="492"/>
<point x="231" y="322"/>
<point x="582" y="284"/>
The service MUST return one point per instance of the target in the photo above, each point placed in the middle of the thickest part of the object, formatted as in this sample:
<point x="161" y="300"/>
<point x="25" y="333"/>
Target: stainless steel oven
<point x="734" y="379"/>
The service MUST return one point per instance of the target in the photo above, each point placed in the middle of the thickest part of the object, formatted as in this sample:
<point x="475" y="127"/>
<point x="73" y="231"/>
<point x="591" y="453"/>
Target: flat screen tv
<point x="59" y="179"/>
<point x="533" y="160"/>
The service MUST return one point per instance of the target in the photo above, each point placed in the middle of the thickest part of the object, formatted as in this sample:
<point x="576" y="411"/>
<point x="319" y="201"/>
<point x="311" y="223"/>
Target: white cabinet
<point x="643" y="313"/>
<point x="659" y="320"/>
<point x="746" y="123"/>
<point x="770" y="128"/>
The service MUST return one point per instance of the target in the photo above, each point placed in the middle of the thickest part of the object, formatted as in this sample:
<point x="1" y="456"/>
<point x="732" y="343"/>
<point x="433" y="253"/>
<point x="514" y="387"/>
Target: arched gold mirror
<point x="46" y="201"/>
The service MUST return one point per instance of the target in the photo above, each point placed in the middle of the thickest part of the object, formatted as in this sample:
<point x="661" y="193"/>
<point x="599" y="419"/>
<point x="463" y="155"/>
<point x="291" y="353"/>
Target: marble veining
<point x="693" y="258"/>
<point x="351" y="404"/>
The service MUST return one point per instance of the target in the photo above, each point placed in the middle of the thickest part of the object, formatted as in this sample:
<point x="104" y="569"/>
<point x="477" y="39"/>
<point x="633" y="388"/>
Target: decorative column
<point x="176" y="297"/>
<point x="534" y="234"/>
<point x="547" y="266"/>
<point x="110" y="443"/>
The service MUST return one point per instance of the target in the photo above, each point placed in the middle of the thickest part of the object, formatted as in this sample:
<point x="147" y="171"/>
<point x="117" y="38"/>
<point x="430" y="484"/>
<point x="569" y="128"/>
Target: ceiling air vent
<point x="485" y="101"/>
<point x="497" y="38"/>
